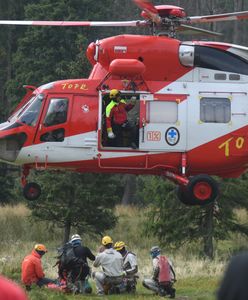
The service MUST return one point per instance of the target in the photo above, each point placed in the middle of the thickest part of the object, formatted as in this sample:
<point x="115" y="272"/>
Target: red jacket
<point x="32" y="269"/>
<point x="117" y="112"/>
<point x="10" y="291"/>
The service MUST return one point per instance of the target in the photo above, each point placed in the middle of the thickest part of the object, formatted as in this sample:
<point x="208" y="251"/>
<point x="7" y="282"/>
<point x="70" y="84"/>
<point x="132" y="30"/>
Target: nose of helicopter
<point x="11" y="142"/>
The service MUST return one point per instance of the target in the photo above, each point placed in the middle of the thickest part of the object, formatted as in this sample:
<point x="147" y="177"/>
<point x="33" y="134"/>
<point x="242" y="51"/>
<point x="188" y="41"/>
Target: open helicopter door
<point x="163" y="122"/>
<point x="129" y="133"/>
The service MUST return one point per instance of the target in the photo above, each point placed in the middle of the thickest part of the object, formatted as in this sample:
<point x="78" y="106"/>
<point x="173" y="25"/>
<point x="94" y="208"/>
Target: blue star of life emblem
<point x="172" y="136"/>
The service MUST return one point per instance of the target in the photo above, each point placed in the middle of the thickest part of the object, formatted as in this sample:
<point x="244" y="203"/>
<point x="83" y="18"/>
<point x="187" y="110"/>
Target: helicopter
<point x="189" y="107"/>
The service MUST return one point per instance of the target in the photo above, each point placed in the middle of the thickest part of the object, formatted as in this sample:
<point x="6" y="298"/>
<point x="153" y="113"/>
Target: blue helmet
<point x="155" y="251"/>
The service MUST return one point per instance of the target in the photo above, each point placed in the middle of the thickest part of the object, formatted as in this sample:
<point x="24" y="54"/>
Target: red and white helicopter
<point x="191" y="108"/>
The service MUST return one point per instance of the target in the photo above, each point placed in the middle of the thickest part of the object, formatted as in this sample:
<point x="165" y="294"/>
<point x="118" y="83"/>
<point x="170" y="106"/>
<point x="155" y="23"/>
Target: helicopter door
<point x="163" y="122"/>
<point x="53" y="125"/>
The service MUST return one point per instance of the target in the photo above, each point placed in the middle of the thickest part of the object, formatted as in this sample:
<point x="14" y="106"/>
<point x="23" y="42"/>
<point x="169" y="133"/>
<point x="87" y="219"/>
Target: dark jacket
<point x="234" y="284"/>
<point x="84" y="253"/>
<point x="80" y="271"/>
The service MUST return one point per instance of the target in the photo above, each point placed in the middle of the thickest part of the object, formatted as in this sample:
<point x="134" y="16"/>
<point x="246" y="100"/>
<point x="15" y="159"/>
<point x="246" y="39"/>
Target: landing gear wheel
<point x="31" y="191"/>
<point x="183" y="196"/>
<point x="202" y="189"/>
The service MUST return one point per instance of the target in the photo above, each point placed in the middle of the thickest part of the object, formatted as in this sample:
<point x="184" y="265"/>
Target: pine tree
<point x="81" y="201"/>
<point x="174" y="223"/>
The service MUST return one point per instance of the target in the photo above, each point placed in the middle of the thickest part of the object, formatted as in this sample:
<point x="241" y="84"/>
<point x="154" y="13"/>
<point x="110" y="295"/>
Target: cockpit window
<point x="17" y="114"/>
<point x="57" y="112"/>
<point x="30" y="113"/>
<point x="216" y="59"/>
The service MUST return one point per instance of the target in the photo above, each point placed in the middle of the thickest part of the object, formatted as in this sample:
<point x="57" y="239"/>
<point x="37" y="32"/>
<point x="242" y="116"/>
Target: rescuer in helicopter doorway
<point x="117" y="122"/>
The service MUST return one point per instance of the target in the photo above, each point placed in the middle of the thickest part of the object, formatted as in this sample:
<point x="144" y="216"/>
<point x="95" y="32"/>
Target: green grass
<point x="190" y="289"/>
<point x="198" y="278"/>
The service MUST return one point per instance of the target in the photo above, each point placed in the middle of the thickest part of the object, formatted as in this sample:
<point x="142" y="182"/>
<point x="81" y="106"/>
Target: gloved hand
<point x="111" y="135"/>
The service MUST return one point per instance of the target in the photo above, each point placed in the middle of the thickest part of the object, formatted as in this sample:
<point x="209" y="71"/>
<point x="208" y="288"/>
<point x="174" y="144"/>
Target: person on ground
<point x="32" y="271"/>
<point x="130" y="266"/>
<point x="234" y="284"/>
<point x="163" y="275"/>
<point x="77" y="269"/>
<point x="111" y="262"/>
<point x="10" y="290"/>
<point x="117" y="122"/>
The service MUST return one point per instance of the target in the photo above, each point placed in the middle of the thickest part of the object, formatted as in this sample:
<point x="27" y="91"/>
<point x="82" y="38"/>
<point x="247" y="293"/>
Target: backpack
<point x="67" y="257"/>
<point x="164" y="270"/>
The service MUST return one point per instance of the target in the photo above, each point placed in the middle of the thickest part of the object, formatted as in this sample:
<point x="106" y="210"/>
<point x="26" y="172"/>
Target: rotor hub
<point x="167" y="11"/>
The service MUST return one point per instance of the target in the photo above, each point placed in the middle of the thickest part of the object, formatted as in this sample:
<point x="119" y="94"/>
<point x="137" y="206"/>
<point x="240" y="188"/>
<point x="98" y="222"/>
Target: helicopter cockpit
<point x="29" y="113"/>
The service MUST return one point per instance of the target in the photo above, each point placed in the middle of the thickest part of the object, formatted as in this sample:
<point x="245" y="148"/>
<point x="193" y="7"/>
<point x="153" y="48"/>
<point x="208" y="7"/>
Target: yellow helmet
<point x="40" y="247"/>
<point x="107" y="240"/>
<point x="114" y="93"/>
<point x="119" y="245"/>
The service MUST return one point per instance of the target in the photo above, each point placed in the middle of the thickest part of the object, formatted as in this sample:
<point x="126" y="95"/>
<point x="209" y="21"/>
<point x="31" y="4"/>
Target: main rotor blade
<point x="74" y="23"/>
<point x="220" y="17"/>
<point x="150" y="10"/>
<point x="186" y="29"/>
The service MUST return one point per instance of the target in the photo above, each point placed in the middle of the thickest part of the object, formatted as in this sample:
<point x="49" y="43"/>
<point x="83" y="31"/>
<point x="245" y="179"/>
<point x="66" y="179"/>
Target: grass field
<point x="197" y="278"/>
<point x="189" y="289"/>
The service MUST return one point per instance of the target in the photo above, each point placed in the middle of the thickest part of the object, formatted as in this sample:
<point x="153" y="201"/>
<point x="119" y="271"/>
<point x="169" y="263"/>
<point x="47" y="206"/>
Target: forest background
<point x="35" y="56"/>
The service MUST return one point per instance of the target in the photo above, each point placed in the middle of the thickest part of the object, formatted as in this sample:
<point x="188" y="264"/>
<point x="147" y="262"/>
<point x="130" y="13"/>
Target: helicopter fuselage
<point x="191" y="111"/>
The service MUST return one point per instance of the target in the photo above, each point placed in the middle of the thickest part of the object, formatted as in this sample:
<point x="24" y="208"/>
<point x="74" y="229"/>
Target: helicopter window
<point x="215" y="110"/>
<point x="31" y="113"/>
<point x="162" y="112"/>
<point x="220" y="76"/>
<point x="212" y="58"/>
<point x="14" y="117"/>
<point x="186" y="55"/>
<point x="57" y="112"/>
<point x="56" y="135"/>
<point x="234" y="77"/>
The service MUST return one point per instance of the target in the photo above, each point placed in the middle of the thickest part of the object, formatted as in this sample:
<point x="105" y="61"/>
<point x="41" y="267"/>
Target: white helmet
<point x="75" y="237"/>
